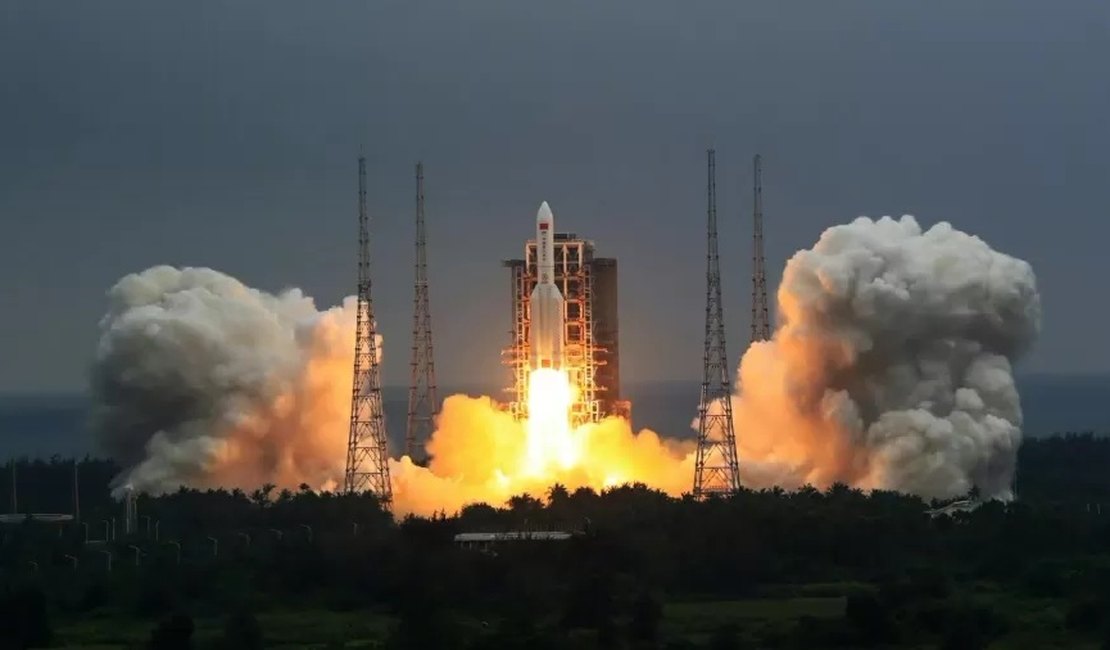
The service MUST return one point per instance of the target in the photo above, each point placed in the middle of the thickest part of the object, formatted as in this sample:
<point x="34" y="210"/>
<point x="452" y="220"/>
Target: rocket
<point x="547" y="329"/>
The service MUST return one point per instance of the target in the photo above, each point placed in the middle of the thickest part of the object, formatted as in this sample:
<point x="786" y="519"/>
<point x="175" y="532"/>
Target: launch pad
<point x="591" y="357"/>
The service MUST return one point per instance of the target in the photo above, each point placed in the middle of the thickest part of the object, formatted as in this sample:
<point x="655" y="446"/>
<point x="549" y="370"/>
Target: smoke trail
<point x="892" y="364"/>
<point x="202" y="381"/>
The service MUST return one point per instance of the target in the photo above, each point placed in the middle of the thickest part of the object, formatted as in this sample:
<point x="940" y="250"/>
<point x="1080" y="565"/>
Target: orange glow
<point x="550" y="441"/>
<point x="481" y="454"/>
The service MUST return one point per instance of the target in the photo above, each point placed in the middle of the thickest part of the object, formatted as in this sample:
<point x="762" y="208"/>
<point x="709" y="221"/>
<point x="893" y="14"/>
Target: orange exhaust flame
<point x="550" y="442"/>
<point x="481" y="454"/>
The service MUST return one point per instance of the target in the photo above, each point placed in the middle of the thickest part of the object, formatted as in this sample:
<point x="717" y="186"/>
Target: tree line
<point x="900" y="574"/>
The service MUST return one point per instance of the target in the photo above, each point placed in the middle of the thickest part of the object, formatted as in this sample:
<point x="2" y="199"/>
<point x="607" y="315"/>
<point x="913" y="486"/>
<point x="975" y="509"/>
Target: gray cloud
<point x="224" y="135"/>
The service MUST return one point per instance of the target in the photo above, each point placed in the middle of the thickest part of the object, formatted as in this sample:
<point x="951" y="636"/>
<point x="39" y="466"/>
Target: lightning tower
<point x="761" y="321"/>
<point x="367" y="456"/>
<point x="716" y="470"/>
<point x="422" y="388"/>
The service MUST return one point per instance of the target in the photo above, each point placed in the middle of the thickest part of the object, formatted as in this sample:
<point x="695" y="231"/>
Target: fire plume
<point x="550" y="440"/>
<point x="481" y="454"/>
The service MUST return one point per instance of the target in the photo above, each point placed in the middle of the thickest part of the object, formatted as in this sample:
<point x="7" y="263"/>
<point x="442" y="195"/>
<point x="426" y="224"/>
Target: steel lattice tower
<point x="716" y="470"/>
<point x="367" y="455"/>
<point x="423" y="405"/>
<point x="761" y="321"/>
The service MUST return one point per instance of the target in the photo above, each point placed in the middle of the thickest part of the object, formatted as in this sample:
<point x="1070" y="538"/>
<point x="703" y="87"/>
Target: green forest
<point x="838" y="568"/>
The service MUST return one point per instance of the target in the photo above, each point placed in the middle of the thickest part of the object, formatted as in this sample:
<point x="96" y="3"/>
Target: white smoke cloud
<point x="202" y="381"/>
<point x="891" y="367"/>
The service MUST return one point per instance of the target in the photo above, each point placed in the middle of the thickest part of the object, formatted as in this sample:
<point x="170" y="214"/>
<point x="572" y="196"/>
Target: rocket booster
<point x="547" y="329"/>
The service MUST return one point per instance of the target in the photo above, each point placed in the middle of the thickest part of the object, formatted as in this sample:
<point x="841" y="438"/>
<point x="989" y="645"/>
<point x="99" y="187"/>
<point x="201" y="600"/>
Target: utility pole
<point x="367" y="455"/>
<point x="15" y="501"/>
<point x="716" y="470"/>
<point x="130" y="510"/>
<point x="76" y="493"/>
<point x="423" y="405"/>
<point x="761" y="321"/>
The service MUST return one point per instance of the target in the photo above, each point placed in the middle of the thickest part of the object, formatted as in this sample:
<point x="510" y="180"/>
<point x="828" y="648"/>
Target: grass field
<point x="696" y="621"/>
<point x="1033" y="623"/>
<point x="283" y="629"/>
<point x="319" y="629"/>
<point x="716" y="612"/>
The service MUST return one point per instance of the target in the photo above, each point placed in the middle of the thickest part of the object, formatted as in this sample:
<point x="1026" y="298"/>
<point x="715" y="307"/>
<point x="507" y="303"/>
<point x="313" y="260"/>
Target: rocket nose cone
<point x="544" y="213"/>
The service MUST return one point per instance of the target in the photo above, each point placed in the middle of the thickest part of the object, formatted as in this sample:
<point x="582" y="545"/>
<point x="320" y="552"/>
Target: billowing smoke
<point x="202" y="381"/>
<point x="891" y="367"/>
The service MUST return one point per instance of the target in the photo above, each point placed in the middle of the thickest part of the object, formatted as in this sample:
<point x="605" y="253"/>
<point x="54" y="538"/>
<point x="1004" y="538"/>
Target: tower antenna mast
<point x="423" y="405"/>
<point x="716" y="470"/>
<point x="761" y="321"/>
<point x="367" y="455"/>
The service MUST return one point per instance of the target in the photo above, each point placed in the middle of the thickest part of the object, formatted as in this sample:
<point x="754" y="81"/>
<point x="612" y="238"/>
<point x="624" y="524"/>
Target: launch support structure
<point x="587" y="286"/>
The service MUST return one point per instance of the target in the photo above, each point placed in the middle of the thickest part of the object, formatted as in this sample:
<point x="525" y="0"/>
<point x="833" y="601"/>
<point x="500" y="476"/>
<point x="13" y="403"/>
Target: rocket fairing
<point x="546" y="303"/>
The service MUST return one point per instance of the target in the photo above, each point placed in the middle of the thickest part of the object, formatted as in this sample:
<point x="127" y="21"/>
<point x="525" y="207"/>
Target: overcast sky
<point x="225" y="134"/>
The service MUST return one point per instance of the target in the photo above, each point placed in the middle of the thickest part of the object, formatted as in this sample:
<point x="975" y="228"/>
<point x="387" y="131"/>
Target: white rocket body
<point x="547" y="329"/>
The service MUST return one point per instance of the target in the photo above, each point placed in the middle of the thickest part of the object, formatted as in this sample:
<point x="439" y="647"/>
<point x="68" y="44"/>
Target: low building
<point x="486" y="540"/>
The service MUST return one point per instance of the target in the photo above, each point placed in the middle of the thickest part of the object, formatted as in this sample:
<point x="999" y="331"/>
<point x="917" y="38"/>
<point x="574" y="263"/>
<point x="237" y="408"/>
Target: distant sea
<point x="43" y="425"/>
